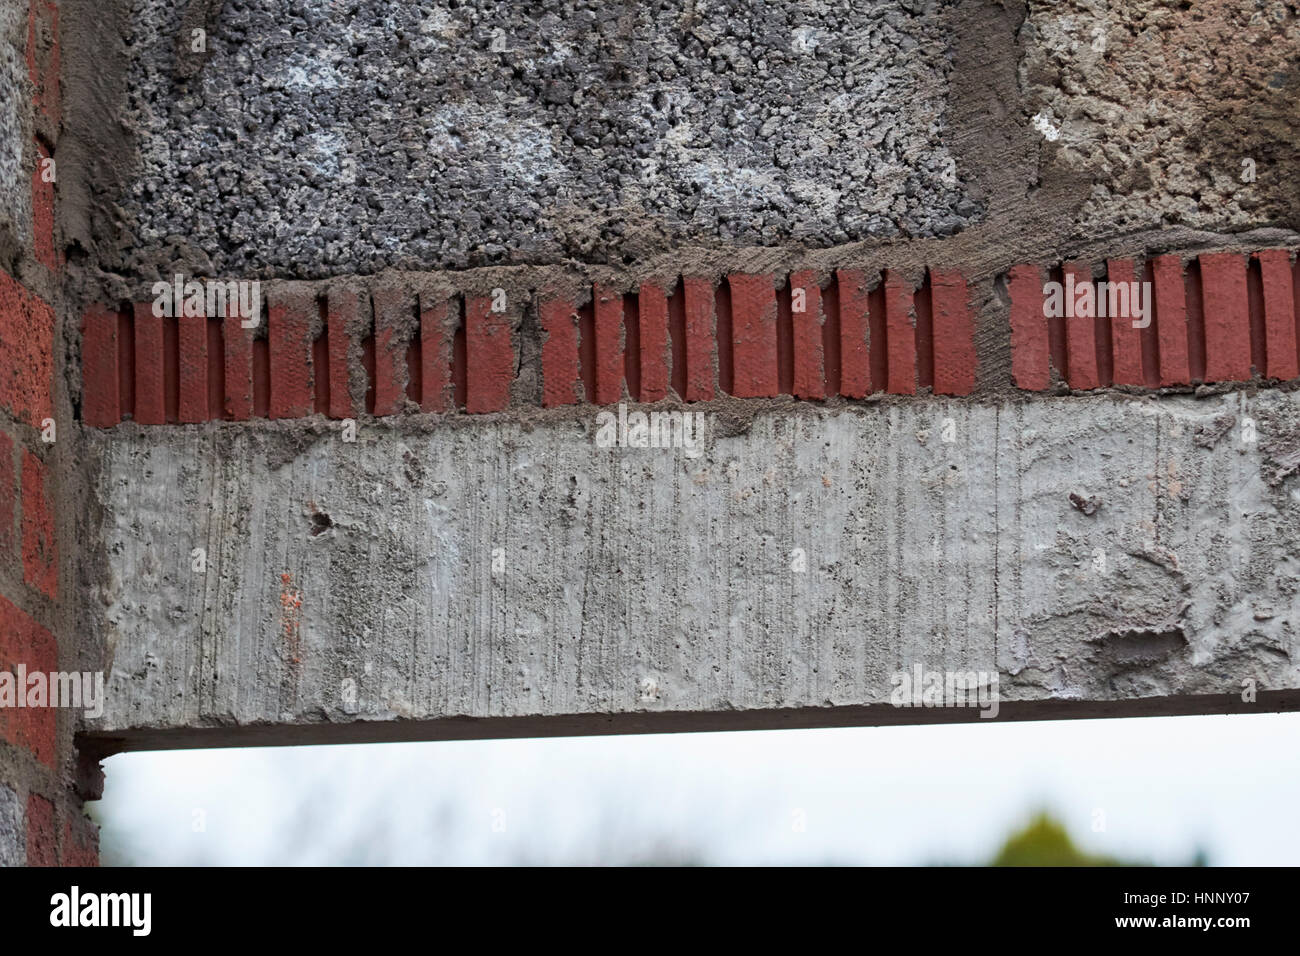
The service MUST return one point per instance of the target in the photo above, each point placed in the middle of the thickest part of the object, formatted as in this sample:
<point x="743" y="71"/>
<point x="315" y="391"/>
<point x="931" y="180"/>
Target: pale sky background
<point x="896" y="795"/>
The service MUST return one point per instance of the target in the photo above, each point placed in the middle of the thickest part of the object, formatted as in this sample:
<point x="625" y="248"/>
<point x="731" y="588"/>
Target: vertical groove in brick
<point x="632" y="346"/>
<point x="1255" y="310"/>
<point x="785" y="339"/>
<point x="216" y="368"/>
<point x="1030" y="345"/>
<point x="830" y="296"/>
<point x="954" y="334"/>
<point x="239" y="368"/>
<point x="1125" y="339"/>
<point x="923" y="307"/>
<point x="320" y="361"/>
<point x="171" y="368"/>
<point x="808" y="341"/>
<point x="1194" y="299"/>
<point x="394" y="312"/>
<point x="436" y="336"/>
<point x="459" y="359"/>
<point x="192" y="378"/>
<point x="702" y="338"/>
<point x="150" y="398"/>
<point x="1171" y="320"/>
<point x="1149" y="335"/>
<point x="1282" y="359"/>
<point x="609" y="345"/>
<point x="126" y="361"/>
<point x="489" y="356"/>
<point x="290" y="338"/>
<point x="900" y="335"/>
<point x="724" y="315"/>
<point x="1080" y="330"/>
<point x="855" y="344"/>
<point x="677" y="339"/>
<point x="342" y="314"/>
<point x="753" y="336"/>
<point x="655" y="352"/>
<point x="1227" y="317"/>
<point x="100" y="380"/>
<point x="561" y="372"/>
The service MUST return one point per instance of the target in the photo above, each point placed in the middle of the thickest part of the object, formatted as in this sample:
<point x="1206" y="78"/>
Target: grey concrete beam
<point x="1101" y="555"/>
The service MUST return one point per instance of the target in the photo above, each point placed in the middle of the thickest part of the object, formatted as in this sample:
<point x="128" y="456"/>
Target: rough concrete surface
<point x="1131" y="554"/>
<point x="15" y="181"/>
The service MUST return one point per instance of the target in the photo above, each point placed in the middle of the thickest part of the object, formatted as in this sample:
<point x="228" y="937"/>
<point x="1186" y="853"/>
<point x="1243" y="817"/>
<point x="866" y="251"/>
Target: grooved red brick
<point x="489" y="356"/>
<point x="561" y="373"/>
<point x="1171" y="319"/>
<point x="27" y="358"/>
<point x="1081" y="331"/>
<point x="150" y="383"/>
<point x="23" y="641"/>
<point x="193" y="334"/>
<point x="100" y="401"/>
<point x="43" y="212"/>
<point x="609" y="345"/>
<point x="753" y="336"/>
<point x="1125" y="339"/>
<point x="40" y="554"/>
<point x="1031" y="362"/>
<point x="855" y="334"/>
<point x="238" y="347"/>
<point x="80" y="842"/>
<point x="43" y="57"/>
<point x="393" y="307"/>
<point x="8" y="498"/>
<point x="900" y="336"/>
<point x="290" y="337"/>
<point x="954" y="334"/>
<point x="1227" y="317"/>
<point x="1281" y="360"/>
<point x="42" y="842"/>
<point x="701" y="339"/>
<point x="652" y="308"/>
<point x="341" y="316"/>
<point x="436" y="337"/>
<point x="809" y="357"/>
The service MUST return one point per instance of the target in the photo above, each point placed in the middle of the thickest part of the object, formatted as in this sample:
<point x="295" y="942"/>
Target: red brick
<point x="753" y="336"/>
<point x="436" y="336"/>
<point x="238" y="347"/>
<point x="1081" y="331"/>
<point x="43" y="212"/>
<point x="27" y="359"/>
<point x="489" y="356"/>
<point x="900" y="336"/>
<point x="561" y="374"/>
<point x="1125" y="340"/>
<point x="855" y="334"/>
<point x="954" y="334"/>
<point x="393" y="318"/>
<point x="609" y="346"/>
<point x="701" y="339"/>
<point x="292" y="315"/>
<point x="43" y="56"/>
<point x="42" y="838"/>
<point x="80" y="842"/>
<point x="341" y="321"/>
<point x="150" y="380"/>
<point x="652" y="309"/>
<point x="100" y="400"/>
<point x="8" y="499"/>
<point x="1171" y="319"/>
<point x="1281" y="359"/>
<point x="1227" y="317"/>
<point x="1031" y="355"/>
<point x="23" y="641"/>
<point x="809" y="349"/>
<point x="193" y="380"/>
<point x="40" y="553"/>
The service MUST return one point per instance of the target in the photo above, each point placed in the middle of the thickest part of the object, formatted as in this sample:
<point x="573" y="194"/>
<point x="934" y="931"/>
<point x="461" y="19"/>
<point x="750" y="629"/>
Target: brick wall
<point x="386" y="350"/>
<point x="42" y="820"/>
